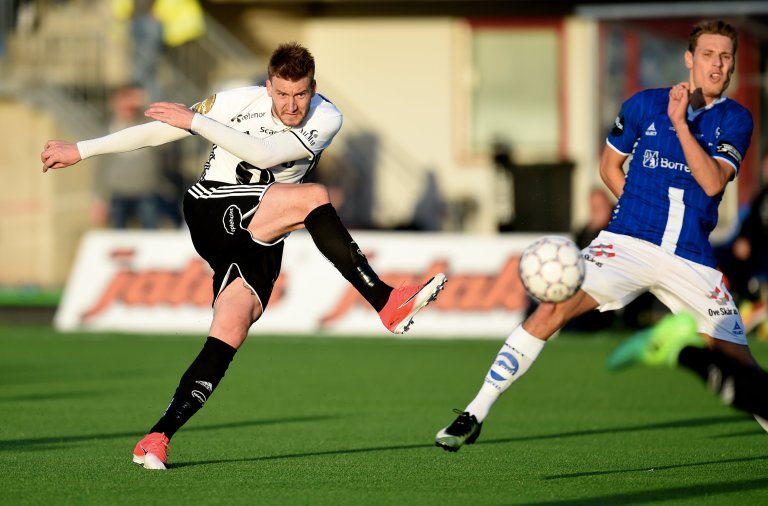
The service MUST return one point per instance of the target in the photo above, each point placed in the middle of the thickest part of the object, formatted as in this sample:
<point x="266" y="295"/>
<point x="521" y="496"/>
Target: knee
<point x="316" y="195"/>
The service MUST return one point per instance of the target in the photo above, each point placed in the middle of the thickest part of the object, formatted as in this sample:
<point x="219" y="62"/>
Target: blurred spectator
<point x="126" y="184"/>
<point x="183" y="22"/>
<point x="146" y="41"/>
<point x="600" y="206"/>
<point x="744" y="260"/>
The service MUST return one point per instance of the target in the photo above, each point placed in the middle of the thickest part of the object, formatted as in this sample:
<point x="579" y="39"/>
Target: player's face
<point x="290" y="99"/>
<point x="711" y="64"/>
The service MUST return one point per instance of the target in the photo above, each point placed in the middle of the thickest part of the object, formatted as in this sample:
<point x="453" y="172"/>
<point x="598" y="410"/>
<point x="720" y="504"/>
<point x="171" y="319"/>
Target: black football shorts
<point x="217" y="215"/>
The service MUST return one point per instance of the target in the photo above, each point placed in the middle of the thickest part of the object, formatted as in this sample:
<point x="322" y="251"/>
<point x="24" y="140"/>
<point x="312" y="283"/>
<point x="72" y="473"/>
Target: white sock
<point x="513" y="360"/>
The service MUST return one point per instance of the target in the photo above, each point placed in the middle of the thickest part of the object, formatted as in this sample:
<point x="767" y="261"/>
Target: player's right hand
<point x="59" y="154"/>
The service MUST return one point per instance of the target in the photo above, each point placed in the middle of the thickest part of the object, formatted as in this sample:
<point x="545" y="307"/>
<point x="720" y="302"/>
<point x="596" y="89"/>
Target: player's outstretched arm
<point x="279" y="148"/>
<point x="59" y="154"/>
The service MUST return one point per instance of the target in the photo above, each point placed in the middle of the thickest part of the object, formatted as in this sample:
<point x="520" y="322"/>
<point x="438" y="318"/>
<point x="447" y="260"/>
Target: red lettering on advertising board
<point x="464" y="292"/>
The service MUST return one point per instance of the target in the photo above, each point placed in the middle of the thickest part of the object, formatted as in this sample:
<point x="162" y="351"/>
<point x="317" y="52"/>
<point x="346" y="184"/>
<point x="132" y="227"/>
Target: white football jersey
<point x="249" y="110"/>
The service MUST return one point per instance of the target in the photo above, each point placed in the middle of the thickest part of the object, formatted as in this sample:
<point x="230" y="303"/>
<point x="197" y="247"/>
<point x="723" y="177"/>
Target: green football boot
<point x="658" y="346"/>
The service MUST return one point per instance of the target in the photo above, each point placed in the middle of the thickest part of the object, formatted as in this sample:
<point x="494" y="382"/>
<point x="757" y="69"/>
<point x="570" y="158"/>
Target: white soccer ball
<point x="552" y="269"/>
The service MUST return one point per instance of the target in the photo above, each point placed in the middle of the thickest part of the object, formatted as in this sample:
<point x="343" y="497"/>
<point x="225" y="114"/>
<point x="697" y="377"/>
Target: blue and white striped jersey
<point x="662" y="203"/>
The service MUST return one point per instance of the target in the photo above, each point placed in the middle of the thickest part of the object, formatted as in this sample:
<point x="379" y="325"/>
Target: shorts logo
<point x="721" y="297"/>
<point x="602" y="250"/>
<point x="232" y="219"/>
<point x="737" y="330"/>
<point x="650" y="159"/>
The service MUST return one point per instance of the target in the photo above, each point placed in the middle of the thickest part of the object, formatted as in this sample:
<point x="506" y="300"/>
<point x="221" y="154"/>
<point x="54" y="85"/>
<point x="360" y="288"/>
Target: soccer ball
<point x="552" y="269"/>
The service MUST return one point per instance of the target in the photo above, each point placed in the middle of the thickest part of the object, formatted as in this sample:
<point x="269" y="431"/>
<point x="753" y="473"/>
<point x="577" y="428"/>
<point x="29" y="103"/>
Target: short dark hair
<point x="714" y="27"/>
<point x="291" y="61"/>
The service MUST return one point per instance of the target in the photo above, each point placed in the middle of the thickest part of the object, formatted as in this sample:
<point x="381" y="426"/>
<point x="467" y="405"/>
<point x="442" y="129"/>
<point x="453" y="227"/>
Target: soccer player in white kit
<point x="687" y="142"/>
<point x="247" y="200"/>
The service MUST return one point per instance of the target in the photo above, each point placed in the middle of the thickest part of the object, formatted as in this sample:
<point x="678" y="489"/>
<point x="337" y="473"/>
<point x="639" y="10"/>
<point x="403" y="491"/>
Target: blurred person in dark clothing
<point x="126" y="184"/>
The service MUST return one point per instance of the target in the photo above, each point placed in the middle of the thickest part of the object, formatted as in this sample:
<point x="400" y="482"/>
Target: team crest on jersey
<point x="205" y="106"/>
<point x="650" y="159"/>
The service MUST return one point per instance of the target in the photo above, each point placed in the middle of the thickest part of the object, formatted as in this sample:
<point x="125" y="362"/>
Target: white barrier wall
<point x="155" y="282"/>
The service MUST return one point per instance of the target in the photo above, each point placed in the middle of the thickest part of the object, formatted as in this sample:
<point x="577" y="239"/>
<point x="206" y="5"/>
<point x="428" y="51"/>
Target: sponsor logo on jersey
<point x="650" y="159"/>
<point x="310" y="135"/>
<point x="730" y="150"/>
<point x="244" y="117"/>
<point x="205" y="106"/>
<point x="651" y="130"/>
<point x="669" y="164"/>
<point x="270" y="131"/>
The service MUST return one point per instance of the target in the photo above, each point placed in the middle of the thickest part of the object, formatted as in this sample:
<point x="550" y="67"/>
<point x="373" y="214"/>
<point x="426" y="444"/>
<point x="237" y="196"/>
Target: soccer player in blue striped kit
<point x="686" y="142"/>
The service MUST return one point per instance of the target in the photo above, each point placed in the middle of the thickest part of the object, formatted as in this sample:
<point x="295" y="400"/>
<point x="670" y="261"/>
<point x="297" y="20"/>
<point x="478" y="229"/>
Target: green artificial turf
<point x="319" y="420"/>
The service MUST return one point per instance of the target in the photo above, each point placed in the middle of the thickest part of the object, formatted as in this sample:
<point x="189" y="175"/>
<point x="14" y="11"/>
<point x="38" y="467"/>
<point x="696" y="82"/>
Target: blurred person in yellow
<point x="154" y="26"/>
<point x="248" y="199"/>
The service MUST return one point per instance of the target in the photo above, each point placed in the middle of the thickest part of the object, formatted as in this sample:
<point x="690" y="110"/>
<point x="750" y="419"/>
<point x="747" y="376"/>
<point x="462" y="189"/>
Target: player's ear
<point x="268" y="84"/>
<point x="688" y="60"/>
<point x="313" y="86"/>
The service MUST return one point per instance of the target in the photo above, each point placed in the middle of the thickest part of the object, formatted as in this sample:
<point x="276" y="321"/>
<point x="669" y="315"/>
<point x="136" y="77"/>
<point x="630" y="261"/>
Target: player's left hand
<point x="678" y="103"/>
<point x="178" y="115"/>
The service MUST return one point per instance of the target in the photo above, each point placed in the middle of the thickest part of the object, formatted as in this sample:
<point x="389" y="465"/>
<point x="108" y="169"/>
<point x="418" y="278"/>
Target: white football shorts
<point x="620" y="268"/>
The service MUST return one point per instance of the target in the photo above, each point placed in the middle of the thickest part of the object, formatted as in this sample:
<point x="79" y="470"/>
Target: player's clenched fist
<point x="59" y="154"/>
<point x="678" y="103"/>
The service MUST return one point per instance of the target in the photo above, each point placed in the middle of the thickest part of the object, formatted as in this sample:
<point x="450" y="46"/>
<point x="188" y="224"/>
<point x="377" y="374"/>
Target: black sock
<point x="739" y="385"/>
<point x="335" y="243"/>
<point x="196" y="385"/>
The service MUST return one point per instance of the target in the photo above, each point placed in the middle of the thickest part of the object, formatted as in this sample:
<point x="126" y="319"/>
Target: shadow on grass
<point x="655" y="468"/>
<point x="695" y="422"/>
<point x="35" y="443"/>
<point x="53" y="396"/>
<point x="663" y="494"/>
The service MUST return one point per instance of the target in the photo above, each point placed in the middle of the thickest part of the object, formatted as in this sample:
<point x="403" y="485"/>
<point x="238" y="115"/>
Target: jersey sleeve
<point x="221" y="106"/>
<point x="319" y="131"/>
<point x="318" y="135"/>
<point x="626" y="126"/>
<point x="733" y="138"/>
